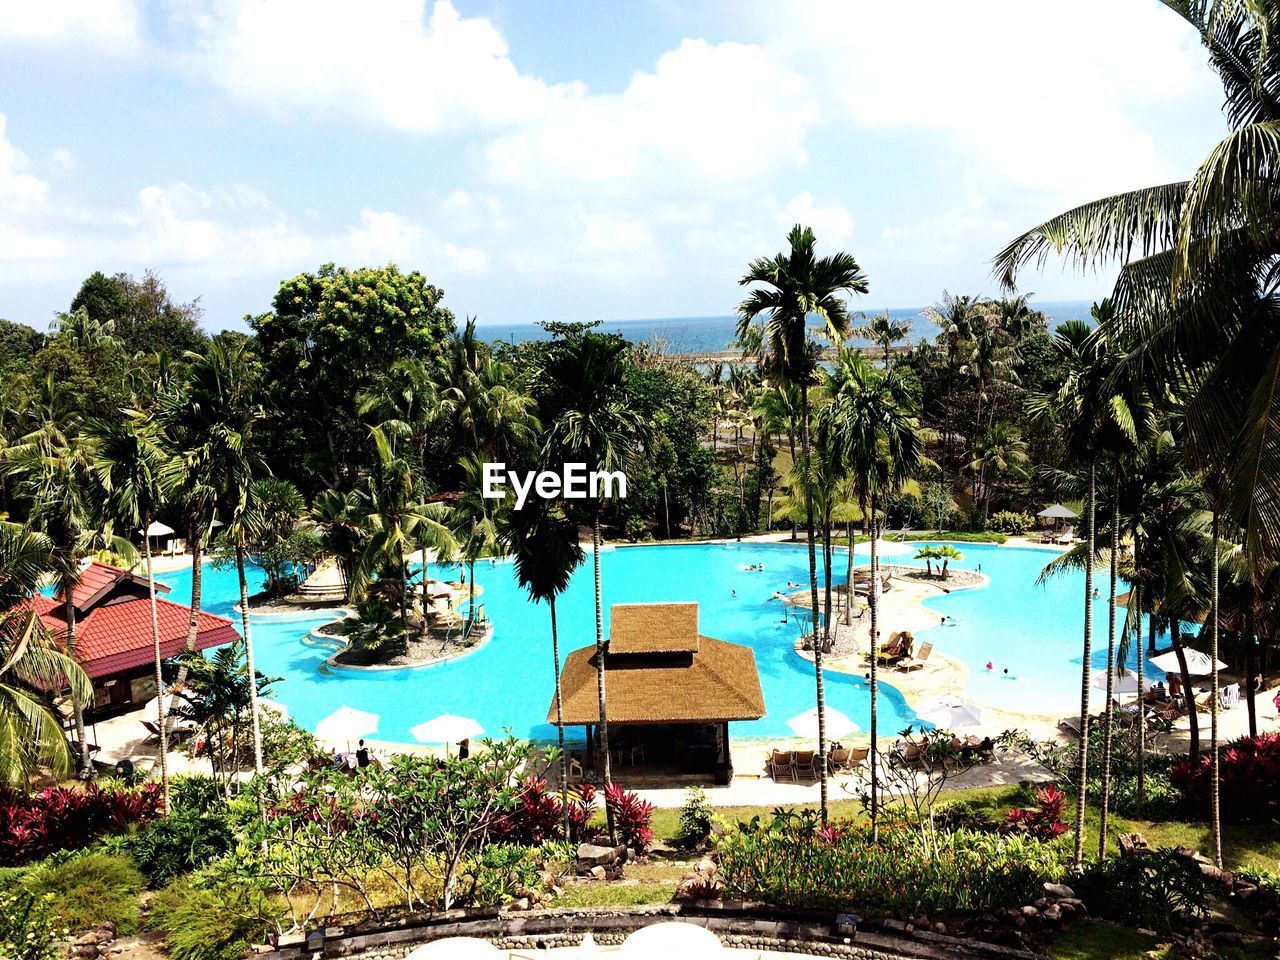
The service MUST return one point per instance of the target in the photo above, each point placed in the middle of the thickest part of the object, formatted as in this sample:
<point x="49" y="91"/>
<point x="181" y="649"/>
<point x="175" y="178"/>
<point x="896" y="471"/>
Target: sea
<point x="703" y="335"/>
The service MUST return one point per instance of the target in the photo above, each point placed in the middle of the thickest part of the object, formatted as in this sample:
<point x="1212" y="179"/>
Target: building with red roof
<point x="113" y="632"/>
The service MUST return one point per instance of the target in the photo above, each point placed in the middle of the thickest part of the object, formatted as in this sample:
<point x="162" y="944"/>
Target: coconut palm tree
<point x="592" y="420"/>
<point x="955" y="317"/>
<point x="476" y="522"/>
<point x="128" y="464"/>
<point x="884" y="331"/>
<point x="1000" y="452"/>
<point x="31" y="664"/>
<point x="1196" y="293"/>
<point x="789" y="287"/>
<point x="544" y="544"/>
<point x="873" y="420"/>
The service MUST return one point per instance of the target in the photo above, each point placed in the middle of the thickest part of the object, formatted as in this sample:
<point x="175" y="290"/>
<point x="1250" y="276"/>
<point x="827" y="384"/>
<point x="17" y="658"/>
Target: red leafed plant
<point x="1044" y="820"/>
<point x="33" y="826"/>
<point x="1249" y="780"/>
<point x="632" y="816"/>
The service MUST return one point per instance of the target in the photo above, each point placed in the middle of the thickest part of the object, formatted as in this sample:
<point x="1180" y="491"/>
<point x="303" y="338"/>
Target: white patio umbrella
<point x="347" y="723"/>
<point x="1058" y="512"/>
<point x="149" y="708"/>
<point x="949" y="712"/>
<point x="890" y="548"/>
<point x="806" y="724"/>
<point x="1198" y="664"/>
<point x="1124" y="684"/>
<point x="157" y="529"/>
<point x="446" y="728"/>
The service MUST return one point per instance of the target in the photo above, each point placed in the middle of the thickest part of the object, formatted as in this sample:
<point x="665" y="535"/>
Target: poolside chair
<point x="1070" y="725"/>
<point x="1230" y="696"/>
<point x="839" y="758"/>
<point x="918" y="661"/>
<point x="782" y="764"/>
<point x="806" y="764"/>
<point x="906" y="752"/>
<point x="1067" y="535"/>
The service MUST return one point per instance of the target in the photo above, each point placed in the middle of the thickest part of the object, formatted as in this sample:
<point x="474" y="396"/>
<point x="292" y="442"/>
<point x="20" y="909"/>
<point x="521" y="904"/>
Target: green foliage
<point x="788" y="860"/>
<point x="186" y="840"/>
<point x="28" y="926"/>
<point x="696" y="818"/>
<point x="1006" y="521"/>
<point x="141" y="313"/>
<point x="88" y="889"/>
<point x="1158" y="890"/>
<point x="204" y="922"/>
<point x="497" y="875"/>
<point x="959" y="536"/>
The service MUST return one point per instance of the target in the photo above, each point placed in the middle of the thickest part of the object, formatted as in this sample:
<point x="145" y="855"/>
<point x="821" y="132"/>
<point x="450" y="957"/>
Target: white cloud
<point x="389" y="61"/>
<point x="111" y="25"/>
<point x="832" y="224"/>
<point x="677" y="129"/>
<point x="19" y="191"/>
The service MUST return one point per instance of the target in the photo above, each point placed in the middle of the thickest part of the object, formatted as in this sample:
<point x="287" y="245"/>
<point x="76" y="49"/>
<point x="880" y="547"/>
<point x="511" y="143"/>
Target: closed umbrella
<point x="446" y="729"/>
<point x="806" y="724"/>
<point x="949" y="712"/>
<point x="1198" y="664"/>
<point x="347" y="723"/>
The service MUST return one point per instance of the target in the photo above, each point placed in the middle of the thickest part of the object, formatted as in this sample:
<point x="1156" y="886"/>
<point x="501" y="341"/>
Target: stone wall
<point x="748" y="925"/>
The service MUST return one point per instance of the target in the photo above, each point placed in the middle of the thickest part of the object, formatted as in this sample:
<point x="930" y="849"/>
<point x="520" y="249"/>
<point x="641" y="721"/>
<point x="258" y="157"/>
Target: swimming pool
<point x="507" y="684"/>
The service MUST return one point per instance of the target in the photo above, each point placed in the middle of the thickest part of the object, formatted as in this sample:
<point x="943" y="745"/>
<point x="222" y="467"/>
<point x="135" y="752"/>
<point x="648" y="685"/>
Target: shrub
<point x="1249" y="780"/>
<point x="33" y="826"/>
<point x="696" y="817"/>
<point x="89" y="889"/>
<point x="499" y="874"/>
<point x="1157" y="890"/>
<point x="203" y="923"/>
<point x="1044" y="820"/>
<point x="27" y="929"/>
<point x="195" y="792"/>
<point x="632" y="817"/>
<point x="787" y="861"/>
<point x="1007" y="521"/>
<point x="179" y="843"/>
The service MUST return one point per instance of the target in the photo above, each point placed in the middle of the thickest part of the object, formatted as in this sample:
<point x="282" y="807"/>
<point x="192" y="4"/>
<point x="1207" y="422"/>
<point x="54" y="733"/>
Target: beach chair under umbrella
<point x="949" y="712"/>
<point x="347" y="723"/>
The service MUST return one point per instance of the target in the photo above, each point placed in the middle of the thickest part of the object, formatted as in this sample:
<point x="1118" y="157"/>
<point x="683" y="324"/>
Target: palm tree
<point x="544" y="543"/>
<point x="955" y="317"/>
<point x="1090" y="413"/>
<point x="128" y="465"/>
<point x="789" y="287"/>
<point x="874" y="424"/>
<point x="928" y="554"/>
<point x="946" y="553"/>
<point x="592" y="420"/>
<point x="1196" y="290"/>
<point x="1000" y="452"/>
<point x="475" y="521"/>
<point x="480" y="394"/>
<point x="31" y="665"/>
<point x="884" y="331"/>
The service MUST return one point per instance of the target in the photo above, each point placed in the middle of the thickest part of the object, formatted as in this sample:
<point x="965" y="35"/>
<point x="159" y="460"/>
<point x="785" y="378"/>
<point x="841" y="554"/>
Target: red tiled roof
<point x="115" y="637"/>
<point x="98" y="580"/>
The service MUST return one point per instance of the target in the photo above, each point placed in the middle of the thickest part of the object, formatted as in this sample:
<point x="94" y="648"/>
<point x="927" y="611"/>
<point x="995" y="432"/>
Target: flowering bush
<point x="537" y="816"/>
<point x="789" y="861"/>
<point x="34" y="825"/>
<point x="1044" y="820"/>
<point x="27" y="927"/>
<point x="1249" y="780"/>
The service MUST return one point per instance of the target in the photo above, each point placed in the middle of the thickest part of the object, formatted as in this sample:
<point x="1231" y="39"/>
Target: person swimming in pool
<point x="733" y="594"/>
<point x="990" y="667"/>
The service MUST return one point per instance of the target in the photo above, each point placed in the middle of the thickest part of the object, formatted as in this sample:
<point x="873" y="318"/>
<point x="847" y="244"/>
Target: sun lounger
<point x="806" y="764"/>
<point x="782" y="764"/>
<point x="1070" y="725"/>
<point x="1066" y="536"/>
<point x="904" y="751"/>
<point x="916" y="662"/>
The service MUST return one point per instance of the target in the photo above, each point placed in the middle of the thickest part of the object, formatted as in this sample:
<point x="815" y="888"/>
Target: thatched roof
<point x="701" y="680"/>
<point x="653" y="628"/>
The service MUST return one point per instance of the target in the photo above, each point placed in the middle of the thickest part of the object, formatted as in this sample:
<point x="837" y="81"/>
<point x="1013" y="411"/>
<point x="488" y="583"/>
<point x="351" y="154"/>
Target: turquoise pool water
<point x="507" y="684"/>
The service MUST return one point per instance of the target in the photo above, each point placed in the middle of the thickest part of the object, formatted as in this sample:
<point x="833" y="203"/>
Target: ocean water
<point x="1031" y="630"/>
<point x="715" y="334"/>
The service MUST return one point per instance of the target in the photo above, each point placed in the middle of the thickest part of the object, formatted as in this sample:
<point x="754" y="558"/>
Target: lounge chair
<point x="1070" y="725"/>
<point x="839" y="758"/>
<point x="904" y="751"/>
<point x="806" y="763"/>
<point x="1230" y="696"/>
<point x="782" y="764"/>
<point x="918" y="661"/>
<point x="1067" y="535"/>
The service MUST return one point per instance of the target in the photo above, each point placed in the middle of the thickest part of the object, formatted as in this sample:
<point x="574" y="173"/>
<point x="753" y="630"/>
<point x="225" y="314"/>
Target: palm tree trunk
<point x="155" y="641"/>
<point x="874" y="605"/>
<point x="848" y="608"/>
<point x="1193" y="718"/>
<point x="813" y="599"/>
<point x="1108" y="721"/>
<point x="1215" y="811"/>
<point x="600" y="691"/>
<point x="564" y="759"/>
<point x="1082" y="772"/>
<point x="248" y="655"/>
<point x="471" y="591"/>
<point x="1251" y="671"/>
<point x="77" y="710"/>
<point x="1136" y="599"/>
<point x="826" y="568"/>
<point x="197" y="578"/>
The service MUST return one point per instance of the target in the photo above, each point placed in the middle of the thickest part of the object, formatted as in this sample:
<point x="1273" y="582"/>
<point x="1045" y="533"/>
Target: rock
<point x="1052" y="912"/>
<point x="557" y="890"/>
<point x="940" y="928"/>
<point x="706" y="867"/>
<point x="1076" y="907"/>
<point x="590" y="855"/>
<point x="1131" y="843"/>
<point x="598" y="872"/>
<point x="1041" y="903"/>
<point x="86" y="939"/>
<point x="1030" y="912"/>
<point x="521" y="904"/>
<point x="1060" y="891"/>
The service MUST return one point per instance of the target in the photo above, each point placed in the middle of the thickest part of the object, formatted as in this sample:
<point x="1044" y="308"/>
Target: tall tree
<point x="884" y="331"/>
<point x="789" y="287"/>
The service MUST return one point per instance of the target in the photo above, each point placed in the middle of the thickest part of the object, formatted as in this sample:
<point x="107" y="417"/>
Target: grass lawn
<point x="1098" y="940"/>
<point x="645" y="883"/>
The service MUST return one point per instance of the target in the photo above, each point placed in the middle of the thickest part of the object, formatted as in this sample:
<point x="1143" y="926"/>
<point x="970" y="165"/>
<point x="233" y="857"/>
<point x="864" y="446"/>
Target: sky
<point x="556" y="160"/>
